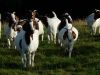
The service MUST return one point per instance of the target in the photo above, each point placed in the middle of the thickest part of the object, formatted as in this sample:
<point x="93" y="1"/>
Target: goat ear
<point x="22" y="23"/>
<point x="34" y="12"/>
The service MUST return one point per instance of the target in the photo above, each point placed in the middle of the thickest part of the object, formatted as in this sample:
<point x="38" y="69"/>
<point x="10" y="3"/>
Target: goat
<point x="67" y="36"/>
<point x="41" y="28"/>
<point x="27" y="40"/>
<point x="91" y="19"/>
<point x="9" y="29"/>
<point x="96" y="25"/>
<point x="52" y="27"/>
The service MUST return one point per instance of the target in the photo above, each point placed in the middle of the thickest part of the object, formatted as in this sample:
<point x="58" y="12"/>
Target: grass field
<point x="51" y="60"/>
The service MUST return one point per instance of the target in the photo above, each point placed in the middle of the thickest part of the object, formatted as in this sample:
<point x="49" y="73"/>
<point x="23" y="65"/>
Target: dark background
<point x="76" y="8"/>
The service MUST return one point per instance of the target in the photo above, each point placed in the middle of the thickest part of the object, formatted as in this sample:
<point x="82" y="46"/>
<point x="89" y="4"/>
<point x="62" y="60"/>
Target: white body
<point x="41" y="28"/>
<point x="9" y="32"/>
<point x="96" y="25"/>
<point x="32" y="46"/>
<point x="10" y="35"/>
<point x="52" y="28"/>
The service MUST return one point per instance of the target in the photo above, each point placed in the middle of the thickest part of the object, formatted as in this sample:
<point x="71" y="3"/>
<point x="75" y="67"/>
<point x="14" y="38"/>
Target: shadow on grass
<point x="6" y="51"/>
<point x="53" y="52"/>
<point x="85" y="50"/>
<point x="9" y="65"/>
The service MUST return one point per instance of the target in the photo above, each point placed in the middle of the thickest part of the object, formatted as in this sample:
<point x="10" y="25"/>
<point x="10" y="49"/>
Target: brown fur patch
<point x="21" y="22"/>
<point x="35" y="24"/>
<point x="74" y="35"/>
<point x="66" y="35"/>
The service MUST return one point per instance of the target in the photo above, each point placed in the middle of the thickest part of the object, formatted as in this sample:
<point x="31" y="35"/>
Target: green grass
<point x="51" y="60"/>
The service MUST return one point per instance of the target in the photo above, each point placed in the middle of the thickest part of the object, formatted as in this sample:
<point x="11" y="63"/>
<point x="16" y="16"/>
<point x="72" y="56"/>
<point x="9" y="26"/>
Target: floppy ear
<point x="22" y="23"/>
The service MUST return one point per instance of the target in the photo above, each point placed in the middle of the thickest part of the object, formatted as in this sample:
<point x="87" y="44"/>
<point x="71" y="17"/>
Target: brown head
<point x="34" y="13"/>
<point x="30" y="25"/>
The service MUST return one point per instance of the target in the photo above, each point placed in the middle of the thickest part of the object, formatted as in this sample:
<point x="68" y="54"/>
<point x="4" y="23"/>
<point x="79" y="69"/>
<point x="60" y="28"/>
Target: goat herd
<point x="24" y="33"/>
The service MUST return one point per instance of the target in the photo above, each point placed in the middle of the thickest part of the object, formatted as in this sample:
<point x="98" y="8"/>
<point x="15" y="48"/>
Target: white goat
<point x="52" y="27"/>
<point x="27" y="41"/>
<point x="67" y="36"/>
<point x="41" y="28"/>
<point x="96" y="25"/>
<point x="9" y="29"/>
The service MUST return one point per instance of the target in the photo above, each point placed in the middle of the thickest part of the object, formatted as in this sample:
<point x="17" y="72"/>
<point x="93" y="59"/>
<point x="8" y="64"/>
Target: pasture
<point x="52" y="60"/>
